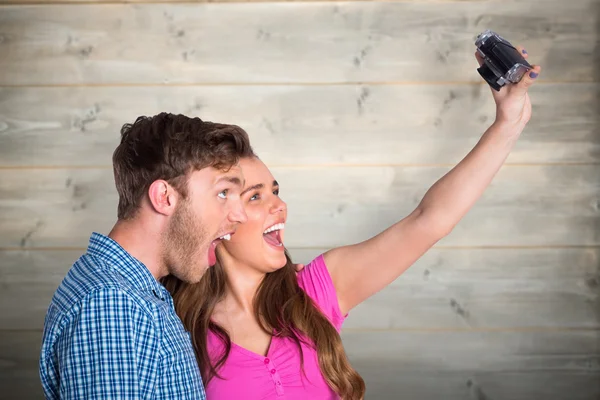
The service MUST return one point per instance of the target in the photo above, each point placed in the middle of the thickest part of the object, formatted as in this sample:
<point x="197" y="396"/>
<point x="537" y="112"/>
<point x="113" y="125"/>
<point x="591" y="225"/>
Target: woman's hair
<point x="280" y="306"/>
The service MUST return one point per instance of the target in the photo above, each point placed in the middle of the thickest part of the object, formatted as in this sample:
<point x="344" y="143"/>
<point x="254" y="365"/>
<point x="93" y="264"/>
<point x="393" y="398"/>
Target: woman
<point x="263" y="331"/>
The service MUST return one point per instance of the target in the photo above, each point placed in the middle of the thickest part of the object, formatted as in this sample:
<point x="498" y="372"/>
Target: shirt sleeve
<point x="316" y="282"/>
<point x="110" y="349"/>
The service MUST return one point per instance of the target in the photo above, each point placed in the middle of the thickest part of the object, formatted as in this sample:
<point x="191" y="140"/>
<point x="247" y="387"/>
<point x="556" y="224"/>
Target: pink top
<point x="251" y="376"/>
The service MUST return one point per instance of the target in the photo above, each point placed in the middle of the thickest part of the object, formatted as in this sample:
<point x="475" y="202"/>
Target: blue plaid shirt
<point x="111" y="332"/>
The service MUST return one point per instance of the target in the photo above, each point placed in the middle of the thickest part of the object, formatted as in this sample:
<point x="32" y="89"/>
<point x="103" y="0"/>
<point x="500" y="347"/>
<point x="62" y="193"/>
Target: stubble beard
<point x="185" y="250"/>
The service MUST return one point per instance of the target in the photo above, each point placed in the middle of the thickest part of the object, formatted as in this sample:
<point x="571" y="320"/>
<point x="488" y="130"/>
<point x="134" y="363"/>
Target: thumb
<point x="528" y="80"/>
<point x="299" y="267"/>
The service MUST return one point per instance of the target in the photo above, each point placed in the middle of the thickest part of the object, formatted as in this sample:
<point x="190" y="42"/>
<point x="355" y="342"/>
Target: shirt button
<point x="273" y="371"/>
<point x="267" y="361"/>
<point x="278" y="383"/>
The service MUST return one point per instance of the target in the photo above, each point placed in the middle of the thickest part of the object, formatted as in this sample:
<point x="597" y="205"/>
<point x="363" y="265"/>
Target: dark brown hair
<point x="170" y="147"/>
<point x="281" y="306"/>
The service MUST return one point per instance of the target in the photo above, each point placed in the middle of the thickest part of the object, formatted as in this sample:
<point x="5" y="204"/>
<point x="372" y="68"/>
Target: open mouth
<point x="272" y="235"/>
<point x="212" y="256"/>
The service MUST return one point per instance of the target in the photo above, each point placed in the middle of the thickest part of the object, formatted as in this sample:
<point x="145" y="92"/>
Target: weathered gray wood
<point x="19" y="355"/>
<point x="331" y="206"/>
<point x="508" y="352"/>
<point x="28" y="280"/>
<point x="404" y="124"/>
<point x="486" y="288"/>
<point x="195" y="1"/>
<point x="447" y="288"/>
<point x="385" y="383"/>
<point x="287" y="42"/>
<point x="424" y="366"/>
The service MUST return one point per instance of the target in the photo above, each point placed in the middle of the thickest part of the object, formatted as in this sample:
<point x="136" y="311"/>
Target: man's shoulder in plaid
<point x="111" y="332"/>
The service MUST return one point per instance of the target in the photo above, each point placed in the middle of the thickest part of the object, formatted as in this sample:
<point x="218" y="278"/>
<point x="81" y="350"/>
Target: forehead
<point x="255" y="171"/>
<point x="210" y="176"/>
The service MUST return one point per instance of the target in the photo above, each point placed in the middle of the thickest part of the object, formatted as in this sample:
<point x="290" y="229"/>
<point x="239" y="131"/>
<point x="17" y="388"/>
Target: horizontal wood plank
<point x="27" y="2"/>
<point x="445" y="289"/>
<point x="489" y="288"/>
<point x="327" y="207"/>
<point x="384" y="382"/>
<point x="291" y="125"/>
<point x="424" y="366"/>
<point x="287" y="42"/>
<point x="574" y="351"/>
<point x="19" y="371"/>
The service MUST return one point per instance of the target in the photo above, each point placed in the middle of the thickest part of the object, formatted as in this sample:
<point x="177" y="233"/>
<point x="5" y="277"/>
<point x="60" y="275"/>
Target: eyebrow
<point x="232" y="179"/>
<point x="257" y="186"/>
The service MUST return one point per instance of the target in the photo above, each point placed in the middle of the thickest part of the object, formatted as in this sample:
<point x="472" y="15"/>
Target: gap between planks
<point x="517" y="329"/>
<point x="314" y="166"/>
<point x="241" y="84"/>
<point x="438" y="247"/>
<point x="167" y="2"/>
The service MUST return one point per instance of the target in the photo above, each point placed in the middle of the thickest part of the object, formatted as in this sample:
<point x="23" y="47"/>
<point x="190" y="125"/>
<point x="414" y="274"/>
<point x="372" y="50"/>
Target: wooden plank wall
<point x="358" y="107"/>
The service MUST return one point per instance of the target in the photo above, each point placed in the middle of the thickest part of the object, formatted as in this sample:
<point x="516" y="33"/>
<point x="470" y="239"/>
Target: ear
<point x="163" y="197"/>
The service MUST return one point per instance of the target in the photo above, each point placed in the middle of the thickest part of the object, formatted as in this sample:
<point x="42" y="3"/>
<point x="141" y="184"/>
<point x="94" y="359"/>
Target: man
<point x="111" y="330"/>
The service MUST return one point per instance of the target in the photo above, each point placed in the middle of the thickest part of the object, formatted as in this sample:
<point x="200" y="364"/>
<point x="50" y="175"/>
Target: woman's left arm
<point x="359" y="271"/>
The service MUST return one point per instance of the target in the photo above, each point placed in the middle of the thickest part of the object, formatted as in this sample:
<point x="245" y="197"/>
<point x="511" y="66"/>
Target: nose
<point x="238" y="213"/>
<point x="278" y="206"/>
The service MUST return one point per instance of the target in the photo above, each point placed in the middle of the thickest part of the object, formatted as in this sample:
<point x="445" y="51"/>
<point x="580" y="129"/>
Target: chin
<point x="276" y="264"/>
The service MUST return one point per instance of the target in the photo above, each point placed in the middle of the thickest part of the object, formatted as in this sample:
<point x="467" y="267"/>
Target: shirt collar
<point x="132" y="269"/>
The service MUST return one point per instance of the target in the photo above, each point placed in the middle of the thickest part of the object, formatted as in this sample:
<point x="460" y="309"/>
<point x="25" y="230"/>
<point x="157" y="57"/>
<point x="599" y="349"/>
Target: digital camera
<point x="502" y="61"/>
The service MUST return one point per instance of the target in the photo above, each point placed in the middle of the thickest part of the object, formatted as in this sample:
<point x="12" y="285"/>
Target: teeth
<point x="226" y="237"/>
<point x="276" y="227"/>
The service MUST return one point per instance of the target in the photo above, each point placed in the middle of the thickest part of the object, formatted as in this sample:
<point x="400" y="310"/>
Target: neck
<point x="141" y="238"/>
<point x="242" y="285"/>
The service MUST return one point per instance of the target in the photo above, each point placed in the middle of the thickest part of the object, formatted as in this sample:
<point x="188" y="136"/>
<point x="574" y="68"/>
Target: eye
<point x="255" y="196"/>
<point x="223" y="194"/>
<point x="276" y="192"/>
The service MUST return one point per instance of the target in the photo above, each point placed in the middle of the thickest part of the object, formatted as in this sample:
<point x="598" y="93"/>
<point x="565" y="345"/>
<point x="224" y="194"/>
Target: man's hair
<point x="171" y="147"/>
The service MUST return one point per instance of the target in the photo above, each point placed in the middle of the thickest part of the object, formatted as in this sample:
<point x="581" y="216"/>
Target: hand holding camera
<point x="506" y="70"/>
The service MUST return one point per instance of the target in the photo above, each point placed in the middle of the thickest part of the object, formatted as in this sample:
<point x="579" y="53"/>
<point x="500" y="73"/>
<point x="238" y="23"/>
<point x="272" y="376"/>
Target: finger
<point x="528" y="79"/>
<point x="523" y="52"/>
<point x="479" y="58"/>
<point x="299" y="267"/>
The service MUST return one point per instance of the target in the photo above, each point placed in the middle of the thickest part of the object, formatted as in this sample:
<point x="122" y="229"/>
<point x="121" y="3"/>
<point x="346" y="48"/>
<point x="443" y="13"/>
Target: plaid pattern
<point x="111" y="332"/>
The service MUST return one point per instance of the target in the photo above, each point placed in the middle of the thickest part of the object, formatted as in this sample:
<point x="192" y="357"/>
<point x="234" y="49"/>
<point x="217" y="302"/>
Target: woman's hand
<point x="513" y="107"/>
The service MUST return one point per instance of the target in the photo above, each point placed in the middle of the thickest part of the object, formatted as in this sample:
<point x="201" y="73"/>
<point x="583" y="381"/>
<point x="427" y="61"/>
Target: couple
<point x="193" y="295"/>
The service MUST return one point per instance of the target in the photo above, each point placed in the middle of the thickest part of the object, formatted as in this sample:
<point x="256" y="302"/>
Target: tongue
<point x="212" y="257"/>
<point x="273" y="238"/>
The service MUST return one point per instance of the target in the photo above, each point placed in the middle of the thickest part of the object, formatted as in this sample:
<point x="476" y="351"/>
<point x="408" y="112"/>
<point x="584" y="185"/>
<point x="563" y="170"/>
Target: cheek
<point x="249" y="231"/>
<point x="210" y="212"/>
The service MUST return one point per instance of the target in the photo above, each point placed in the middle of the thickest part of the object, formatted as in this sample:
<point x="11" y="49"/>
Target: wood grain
<point x="328" y="207"/>
<point x="385" y="383"/>
<point x="27" y="2"/>
<point x="287" y="42"/>
<point x="19" y="355"/>
<point x="574" y="351"/>
<point x="454" y="289"/>
<point x="463" y="366"/>
<point x="289" y="125"/>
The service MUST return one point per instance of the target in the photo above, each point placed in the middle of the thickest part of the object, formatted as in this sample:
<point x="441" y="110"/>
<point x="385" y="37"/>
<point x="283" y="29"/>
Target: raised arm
<point x="359" y="271"/>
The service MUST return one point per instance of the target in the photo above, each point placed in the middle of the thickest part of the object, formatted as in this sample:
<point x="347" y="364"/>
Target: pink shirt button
<point x="273" y="371"/>
<point x="267" y="361"/>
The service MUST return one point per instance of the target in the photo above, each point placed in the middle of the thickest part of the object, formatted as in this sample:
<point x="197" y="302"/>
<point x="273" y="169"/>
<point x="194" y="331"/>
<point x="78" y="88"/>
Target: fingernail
<point x="524" y="51"/>
<point x="533" y="74"/>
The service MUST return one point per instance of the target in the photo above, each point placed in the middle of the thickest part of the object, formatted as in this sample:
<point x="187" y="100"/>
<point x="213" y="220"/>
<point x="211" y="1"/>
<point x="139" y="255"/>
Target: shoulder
<point x="316" y="282"/>
<point x="94" y="289"/>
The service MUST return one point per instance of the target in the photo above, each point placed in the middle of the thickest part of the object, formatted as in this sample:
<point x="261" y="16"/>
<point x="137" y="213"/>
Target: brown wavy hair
<point x="170" y="146"/>
<point x="281" y="306"/>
